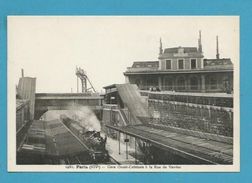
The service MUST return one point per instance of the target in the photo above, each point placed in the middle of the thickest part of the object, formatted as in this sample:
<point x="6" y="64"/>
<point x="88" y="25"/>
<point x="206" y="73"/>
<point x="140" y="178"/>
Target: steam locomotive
<point x="92" y="139"/>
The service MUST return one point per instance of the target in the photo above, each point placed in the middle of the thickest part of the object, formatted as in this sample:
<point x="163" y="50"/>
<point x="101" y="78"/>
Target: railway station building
<point x="183" y="69"/>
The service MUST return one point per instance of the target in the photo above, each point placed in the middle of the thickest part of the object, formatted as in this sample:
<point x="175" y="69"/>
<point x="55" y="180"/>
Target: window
<point x="168" y="64"/>
<point x="193" y="63"/>
<point x="181" y="64"/>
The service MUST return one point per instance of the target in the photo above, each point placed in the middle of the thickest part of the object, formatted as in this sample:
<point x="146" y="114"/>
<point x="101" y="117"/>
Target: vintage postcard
<point x="123" y="93"/>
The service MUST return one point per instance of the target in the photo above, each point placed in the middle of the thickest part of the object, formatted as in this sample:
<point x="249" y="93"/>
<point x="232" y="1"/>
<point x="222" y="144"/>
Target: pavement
<point x="112" y="146"/>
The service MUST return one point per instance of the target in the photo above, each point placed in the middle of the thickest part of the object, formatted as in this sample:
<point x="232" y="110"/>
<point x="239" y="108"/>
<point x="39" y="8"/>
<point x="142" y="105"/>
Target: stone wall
<point x="203" y="118"/>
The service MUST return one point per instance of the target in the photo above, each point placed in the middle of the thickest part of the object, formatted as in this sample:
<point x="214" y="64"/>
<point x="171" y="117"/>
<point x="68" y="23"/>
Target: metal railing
<point x="183" y="88"/>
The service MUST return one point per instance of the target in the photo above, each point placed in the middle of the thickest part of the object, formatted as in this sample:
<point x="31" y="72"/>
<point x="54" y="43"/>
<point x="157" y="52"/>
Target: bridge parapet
<point x="67" y="96"/>
<point x="65" y="101"/>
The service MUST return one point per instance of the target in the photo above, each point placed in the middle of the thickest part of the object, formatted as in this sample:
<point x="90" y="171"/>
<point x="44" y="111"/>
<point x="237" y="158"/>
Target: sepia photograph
<point x="123" y="93"/>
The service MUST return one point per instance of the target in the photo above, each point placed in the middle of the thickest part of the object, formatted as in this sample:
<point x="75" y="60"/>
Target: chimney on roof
<point x="217" y="48"/>
<point x="160" y="47"/>
<point x="22" y="73"/>
<point x="199" y="43"/>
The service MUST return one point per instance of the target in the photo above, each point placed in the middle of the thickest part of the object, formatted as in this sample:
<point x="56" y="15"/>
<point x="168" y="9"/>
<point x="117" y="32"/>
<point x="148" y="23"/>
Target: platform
<point x="120" y="158"/>
<point x="193" y="148"/>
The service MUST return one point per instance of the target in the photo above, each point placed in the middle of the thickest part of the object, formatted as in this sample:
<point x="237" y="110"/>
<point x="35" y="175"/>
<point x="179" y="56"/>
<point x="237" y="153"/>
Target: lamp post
<point x="119" y="137"/>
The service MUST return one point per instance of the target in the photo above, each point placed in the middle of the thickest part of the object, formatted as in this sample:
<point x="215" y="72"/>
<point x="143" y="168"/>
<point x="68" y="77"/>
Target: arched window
<point x="152" y="82"/>
<point x="168" y="84"/>
<point x="181" y="83"/>
<point x="194" y="83"/>
<point x="213" y="83"/>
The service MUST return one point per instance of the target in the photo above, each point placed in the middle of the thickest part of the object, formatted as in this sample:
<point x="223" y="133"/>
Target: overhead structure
<point x="26" y="90"/>
<point x="82" y="75"/>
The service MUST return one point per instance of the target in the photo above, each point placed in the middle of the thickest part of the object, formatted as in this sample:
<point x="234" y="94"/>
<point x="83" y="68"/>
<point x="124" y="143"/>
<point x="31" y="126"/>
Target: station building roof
<point x="186" y="50"/>
<point x="146" y="64"/>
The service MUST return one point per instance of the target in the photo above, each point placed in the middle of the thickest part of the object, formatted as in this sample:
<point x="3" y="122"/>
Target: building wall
<point x="27" y="90"/>
<point x="127" y="79"/>
<point x="22" y="116"/>
<point x="199" y="63"/>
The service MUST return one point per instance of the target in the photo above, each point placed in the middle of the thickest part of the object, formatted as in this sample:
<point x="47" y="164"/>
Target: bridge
<point x="65" y="101"/>
<point x="31" y="105"/>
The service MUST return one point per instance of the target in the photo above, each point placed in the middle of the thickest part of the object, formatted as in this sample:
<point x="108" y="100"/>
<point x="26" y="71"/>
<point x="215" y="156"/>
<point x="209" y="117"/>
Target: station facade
<point x="183" y="69"/>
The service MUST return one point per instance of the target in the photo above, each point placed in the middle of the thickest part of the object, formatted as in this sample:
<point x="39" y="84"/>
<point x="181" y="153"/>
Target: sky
<point x="50" y="47"/>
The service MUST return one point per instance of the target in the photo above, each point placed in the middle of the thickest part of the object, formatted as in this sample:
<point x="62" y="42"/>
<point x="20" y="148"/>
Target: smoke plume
<point x="81" y="114"/>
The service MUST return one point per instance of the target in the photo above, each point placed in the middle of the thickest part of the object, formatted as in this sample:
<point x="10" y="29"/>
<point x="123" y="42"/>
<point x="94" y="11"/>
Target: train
<point x="92" y="139"/>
